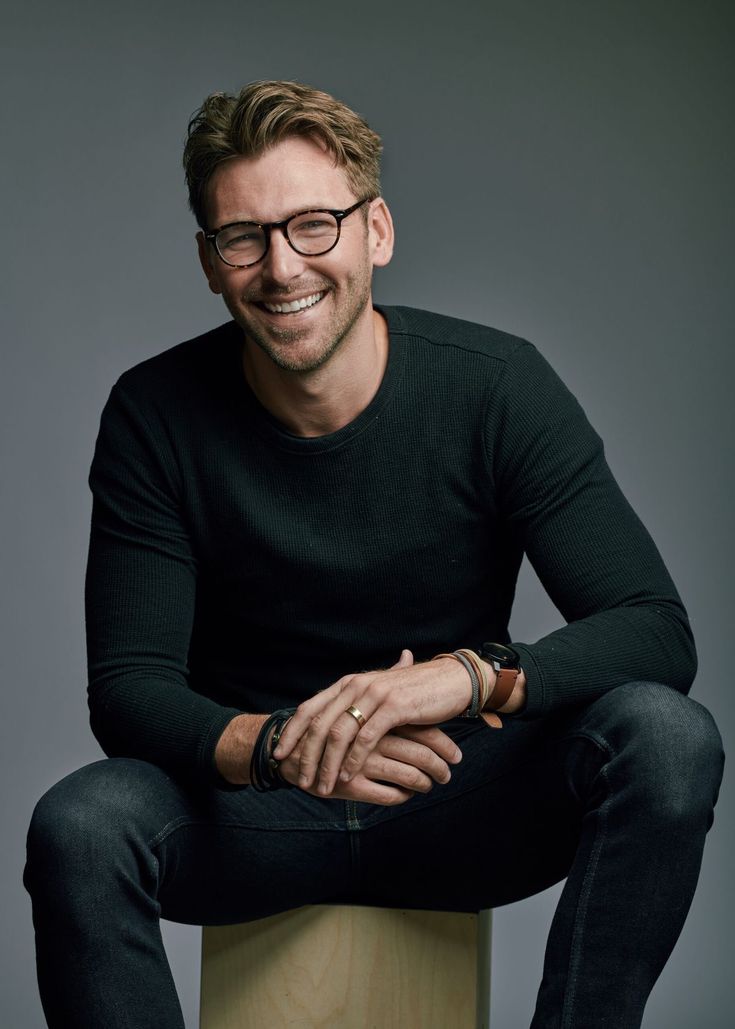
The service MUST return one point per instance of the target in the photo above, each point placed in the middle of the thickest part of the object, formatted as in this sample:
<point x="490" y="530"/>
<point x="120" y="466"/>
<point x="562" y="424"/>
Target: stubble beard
<point x="280" y="343"/>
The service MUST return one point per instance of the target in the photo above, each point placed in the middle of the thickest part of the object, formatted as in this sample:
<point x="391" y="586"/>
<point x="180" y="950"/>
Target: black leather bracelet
<point x="264" y="775"/>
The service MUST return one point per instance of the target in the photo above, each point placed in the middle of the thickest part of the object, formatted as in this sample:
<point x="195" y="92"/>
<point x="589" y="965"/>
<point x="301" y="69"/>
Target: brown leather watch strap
<point x="504" y="685"/>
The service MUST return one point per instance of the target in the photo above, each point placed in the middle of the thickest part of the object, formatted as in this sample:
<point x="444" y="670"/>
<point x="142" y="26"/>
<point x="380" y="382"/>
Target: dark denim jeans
<point x="617" y="797"/>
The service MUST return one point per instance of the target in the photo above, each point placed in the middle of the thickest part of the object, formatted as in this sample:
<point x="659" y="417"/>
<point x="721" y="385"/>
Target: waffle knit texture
<point x="236" y="567"/>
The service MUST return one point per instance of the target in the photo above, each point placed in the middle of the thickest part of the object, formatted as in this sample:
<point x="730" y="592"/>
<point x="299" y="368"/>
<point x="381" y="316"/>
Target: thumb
<point x="405" y="660"/>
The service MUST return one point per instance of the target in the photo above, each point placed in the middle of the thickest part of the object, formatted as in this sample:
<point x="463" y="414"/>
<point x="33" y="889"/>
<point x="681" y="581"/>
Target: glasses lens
<point x="314" y="232"/>
<point x="241" y="244"/>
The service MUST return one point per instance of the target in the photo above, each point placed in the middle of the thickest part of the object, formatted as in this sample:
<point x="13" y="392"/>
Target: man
<point x="320" y="487"/>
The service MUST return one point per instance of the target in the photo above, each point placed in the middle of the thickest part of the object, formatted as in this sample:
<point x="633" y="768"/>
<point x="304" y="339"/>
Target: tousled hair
<point x="262" y="115"/>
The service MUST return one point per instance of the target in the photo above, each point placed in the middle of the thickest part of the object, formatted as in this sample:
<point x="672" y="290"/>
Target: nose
<point x="281" y="263"/>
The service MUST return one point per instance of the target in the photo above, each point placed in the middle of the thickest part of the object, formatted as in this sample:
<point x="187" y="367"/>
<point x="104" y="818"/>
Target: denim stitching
<point x="184" y="822"/>
<point x="575" y="950"/>
<point x="351" y="819"/>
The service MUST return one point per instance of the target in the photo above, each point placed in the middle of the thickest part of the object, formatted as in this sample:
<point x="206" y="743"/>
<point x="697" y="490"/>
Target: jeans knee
<point x="667" y="748"/>
<point x="85" y="822"/>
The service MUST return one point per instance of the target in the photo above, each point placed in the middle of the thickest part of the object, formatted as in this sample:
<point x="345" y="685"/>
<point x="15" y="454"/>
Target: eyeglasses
<point x="309" y="233"/>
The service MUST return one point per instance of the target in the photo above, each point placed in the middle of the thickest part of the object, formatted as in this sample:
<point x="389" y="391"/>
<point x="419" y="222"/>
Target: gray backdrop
<point x="579" y="155"/>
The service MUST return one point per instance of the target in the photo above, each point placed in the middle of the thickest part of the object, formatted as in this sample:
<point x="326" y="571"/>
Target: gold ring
<point x="356" y="714"/>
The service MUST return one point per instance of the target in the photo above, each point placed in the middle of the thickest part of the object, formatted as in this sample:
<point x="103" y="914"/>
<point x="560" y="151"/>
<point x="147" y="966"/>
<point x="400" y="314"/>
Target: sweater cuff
<point x="536" y="699"/>
<point x="210" y="739"/>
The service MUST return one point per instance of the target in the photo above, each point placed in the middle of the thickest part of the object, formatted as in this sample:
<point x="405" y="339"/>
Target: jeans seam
<point x="352" y="824"/>
<point x="594" y="737"/>
<point x="170" y="828"/>
<point x="182" y="823"/>
<point x="575" y="949"/>
<point x="351" y="819"/>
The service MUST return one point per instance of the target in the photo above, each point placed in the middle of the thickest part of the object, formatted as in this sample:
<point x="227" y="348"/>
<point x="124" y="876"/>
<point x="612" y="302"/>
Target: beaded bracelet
<point x="264" y="774"/>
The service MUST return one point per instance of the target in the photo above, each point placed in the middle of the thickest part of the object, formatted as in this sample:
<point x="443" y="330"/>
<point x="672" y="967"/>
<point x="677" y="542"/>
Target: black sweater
<point x="236" y="567"/>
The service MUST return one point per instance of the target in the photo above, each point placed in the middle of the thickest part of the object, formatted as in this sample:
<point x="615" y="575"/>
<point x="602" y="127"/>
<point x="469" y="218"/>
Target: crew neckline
<point x="269" y="428"/>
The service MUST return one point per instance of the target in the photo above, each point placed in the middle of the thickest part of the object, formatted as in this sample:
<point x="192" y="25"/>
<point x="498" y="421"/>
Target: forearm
<point x="160" y="720"/>
<point x="235" y="748"/>
<point x="578" y="663"/>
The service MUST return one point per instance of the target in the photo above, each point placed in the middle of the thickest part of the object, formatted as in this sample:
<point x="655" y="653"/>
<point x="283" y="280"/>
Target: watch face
<point x="505" y="656"/>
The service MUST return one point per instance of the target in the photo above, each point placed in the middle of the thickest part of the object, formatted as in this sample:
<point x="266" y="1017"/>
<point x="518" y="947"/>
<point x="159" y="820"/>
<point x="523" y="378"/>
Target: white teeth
<point x="294" y="305"/>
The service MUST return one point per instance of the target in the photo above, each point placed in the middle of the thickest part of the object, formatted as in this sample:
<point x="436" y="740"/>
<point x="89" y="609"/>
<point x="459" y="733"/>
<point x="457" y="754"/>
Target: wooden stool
<point x="330" y="967"/>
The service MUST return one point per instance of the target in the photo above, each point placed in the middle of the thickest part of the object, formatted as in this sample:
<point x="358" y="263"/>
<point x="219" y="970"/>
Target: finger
<point x="399" y="773"/>
<point x="410" y="753"/>
<point x="324" y="764"/>
<point x="368" y="792"/>
<point x="387" y="793"/>
<point x="332" y="731"/>
<point x="434" y="738"/>
<point x="381" y="709"/>
<point x="288" y="769"/>
<point x="329" y="736"/>
<point x="386" y="718"/>
<point x="305" y="713"/>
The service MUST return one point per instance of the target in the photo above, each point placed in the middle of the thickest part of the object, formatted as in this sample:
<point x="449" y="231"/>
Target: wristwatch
<point x="507" y="665"/>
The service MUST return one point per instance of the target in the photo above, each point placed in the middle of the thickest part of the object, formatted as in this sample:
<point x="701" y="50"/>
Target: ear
<point x="207" y="263"/>
<point x="380" y="233"/>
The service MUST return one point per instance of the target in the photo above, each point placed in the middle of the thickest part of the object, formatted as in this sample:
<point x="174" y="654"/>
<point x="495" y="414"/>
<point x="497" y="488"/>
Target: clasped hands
<point x="392" y="751"/>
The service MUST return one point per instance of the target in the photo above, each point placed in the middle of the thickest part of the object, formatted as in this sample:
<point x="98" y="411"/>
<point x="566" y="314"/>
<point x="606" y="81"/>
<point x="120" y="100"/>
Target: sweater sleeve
<point x="597" y="562"/>
<point x="140" y="595"/>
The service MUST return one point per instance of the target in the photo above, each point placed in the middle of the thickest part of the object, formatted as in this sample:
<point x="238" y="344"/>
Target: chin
<point x="292" y="358"/>
<point x="297" y="350"/>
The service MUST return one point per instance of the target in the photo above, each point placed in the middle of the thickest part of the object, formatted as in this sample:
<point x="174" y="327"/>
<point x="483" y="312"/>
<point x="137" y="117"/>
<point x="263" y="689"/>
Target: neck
<point x="324" y="400"/>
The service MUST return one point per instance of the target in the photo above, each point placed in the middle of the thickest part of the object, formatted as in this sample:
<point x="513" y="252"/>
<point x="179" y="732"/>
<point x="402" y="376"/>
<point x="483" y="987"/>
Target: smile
<point x="294" y="305"/>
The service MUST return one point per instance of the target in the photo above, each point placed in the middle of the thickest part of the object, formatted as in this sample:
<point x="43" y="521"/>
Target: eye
<point x="313" y="225"/>
<point x="240" y="237"/>
<point x="244" y="237"/>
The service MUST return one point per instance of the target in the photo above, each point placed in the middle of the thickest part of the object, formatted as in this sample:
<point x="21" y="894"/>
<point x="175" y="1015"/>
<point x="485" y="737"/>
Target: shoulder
<point x="442" y="331"/>
<point x="179" y="395"/>
<point x="486" y="363"/>
<point x="184" y="368"/>
<point x="167" y="408"/>
<point x="500" y="374"/>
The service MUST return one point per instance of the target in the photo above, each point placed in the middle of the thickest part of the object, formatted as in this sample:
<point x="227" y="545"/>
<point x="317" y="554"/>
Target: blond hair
<point x="265" y="113"/>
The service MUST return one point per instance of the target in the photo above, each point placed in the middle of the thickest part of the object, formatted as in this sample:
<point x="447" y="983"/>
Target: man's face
<point x="295" y="175"/>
